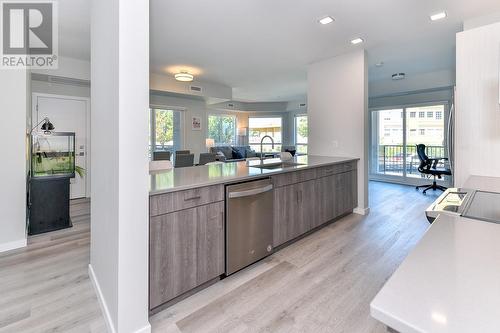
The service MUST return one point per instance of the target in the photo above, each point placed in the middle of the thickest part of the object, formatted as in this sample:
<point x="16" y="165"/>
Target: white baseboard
<point x="105" y="311"/>
<point x="362" y="211"/>
<point x="145" y="329"/>
<point x="13" y="245"/>
<point x="107" y="317"/>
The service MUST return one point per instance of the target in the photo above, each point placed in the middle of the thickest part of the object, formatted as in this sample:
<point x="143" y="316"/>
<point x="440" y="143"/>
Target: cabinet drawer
<point x="171" y="202"/>
<point x="293" y="177"/>
<point x="336" y="169"/>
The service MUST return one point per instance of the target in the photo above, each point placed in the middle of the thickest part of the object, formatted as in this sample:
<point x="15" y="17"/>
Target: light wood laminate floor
<point x="322" y="283"/>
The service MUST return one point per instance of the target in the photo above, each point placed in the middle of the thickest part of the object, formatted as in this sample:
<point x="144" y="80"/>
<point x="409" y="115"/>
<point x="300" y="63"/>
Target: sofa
<point x="233" y="153"/>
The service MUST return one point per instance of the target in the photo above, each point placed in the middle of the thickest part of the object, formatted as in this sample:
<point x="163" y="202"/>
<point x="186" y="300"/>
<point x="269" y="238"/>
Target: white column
<point x="14" y="103"/>
<point x="119" y="134"/>
<point x="337" y="98"/>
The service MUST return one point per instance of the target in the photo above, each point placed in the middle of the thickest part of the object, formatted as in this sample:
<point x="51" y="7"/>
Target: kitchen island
<point x="188" y="215"/>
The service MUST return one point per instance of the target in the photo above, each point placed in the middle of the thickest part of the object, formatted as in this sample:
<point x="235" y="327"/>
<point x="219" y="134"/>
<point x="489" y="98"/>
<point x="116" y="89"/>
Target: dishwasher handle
<point x="247" y="193"/>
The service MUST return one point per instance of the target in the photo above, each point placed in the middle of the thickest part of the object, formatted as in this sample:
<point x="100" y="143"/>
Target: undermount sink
<point x="281" y="165"/>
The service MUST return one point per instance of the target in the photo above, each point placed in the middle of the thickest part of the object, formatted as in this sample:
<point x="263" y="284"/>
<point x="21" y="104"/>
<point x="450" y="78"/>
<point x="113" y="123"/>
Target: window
<point x="393" y="151"/>
<point x="222" y="128"/>
<point x="258" y="127"/>
<point x="165" y="129"/>
<point x="301" y="130"/>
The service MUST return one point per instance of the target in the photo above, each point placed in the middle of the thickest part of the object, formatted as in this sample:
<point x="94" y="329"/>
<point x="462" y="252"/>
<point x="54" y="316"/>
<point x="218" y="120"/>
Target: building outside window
<point x="430" y="114"/>
<point x="421" y="114"/>
<point x="258" y="127"/>
<point x="413" y="114"/>
<point x="422" y="131"/>
<point x="301" y="133"/>
<point x="222" y="128"/>
<point x="439" y="115"/>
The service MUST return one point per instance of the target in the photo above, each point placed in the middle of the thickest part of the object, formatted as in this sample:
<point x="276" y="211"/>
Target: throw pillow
<point x="237" y="154"/>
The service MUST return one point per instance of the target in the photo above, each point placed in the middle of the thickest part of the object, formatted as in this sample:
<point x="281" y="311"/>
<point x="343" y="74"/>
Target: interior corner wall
<point x="337" y="96"/>
<point x="14" y="103"/>
<point x="477" y="122"/>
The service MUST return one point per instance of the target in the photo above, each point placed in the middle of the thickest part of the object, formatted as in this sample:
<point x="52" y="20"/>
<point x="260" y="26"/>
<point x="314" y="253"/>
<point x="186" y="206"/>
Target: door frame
<point x="404" y="179"/>
<point x="34" y="111"/>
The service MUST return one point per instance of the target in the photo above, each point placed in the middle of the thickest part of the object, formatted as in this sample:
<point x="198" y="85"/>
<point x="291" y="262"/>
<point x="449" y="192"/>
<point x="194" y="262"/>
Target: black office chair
<point x="161" y="156"/>
<point x="182" y="152"/>
<point x="428" y="166"/>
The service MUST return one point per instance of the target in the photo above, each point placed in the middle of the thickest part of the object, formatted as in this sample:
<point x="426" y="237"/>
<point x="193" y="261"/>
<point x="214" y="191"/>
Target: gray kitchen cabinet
<point x="186" y="250"/>
<point x="336" y="195"/>
<point x="294" y="211"/>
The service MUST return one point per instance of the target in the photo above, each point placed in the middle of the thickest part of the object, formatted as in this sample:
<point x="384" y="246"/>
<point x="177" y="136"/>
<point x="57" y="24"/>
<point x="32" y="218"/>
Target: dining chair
<point x="207" y="158"/>
<point x="184" y="160"/>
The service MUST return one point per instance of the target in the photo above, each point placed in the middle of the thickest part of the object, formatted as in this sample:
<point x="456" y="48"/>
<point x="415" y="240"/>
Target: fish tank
<point x="53" y="154"/>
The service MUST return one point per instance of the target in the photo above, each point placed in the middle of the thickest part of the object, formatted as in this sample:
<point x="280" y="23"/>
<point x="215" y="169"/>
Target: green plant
<point x="80" y="171"/>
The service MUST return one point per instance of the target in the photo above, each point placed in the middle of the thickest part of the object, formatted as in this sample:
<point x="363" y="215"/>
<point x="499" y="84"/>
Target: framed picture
<point x="196" y="124"/>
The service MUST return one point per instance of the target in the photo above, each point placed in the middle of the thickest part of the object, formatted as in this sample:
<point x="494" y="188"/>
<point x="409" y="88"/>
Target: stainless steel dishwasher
<point x="249" y="223"/>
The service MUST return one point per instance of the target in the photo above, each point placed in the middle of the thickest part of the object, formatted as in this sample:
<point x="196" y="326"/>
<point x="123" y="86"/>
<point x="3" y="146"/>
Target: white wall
<point x="68" y="67"/>
<point x="416" y="82"/>
<point x="14" y="85"/>
<point x="119" y="208"/>
<point x="337" y="96"/>
<point x="477" y="136"/>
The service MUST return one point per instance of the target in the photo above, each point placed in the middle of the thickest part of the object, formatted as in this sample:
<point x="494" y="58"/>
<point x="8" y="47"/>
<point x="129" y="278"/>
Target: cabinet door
<point x="186" y="250"/>
<point x="293" y="211"/>
<point x="346" y="192"/>
<point x="325" y="197"/>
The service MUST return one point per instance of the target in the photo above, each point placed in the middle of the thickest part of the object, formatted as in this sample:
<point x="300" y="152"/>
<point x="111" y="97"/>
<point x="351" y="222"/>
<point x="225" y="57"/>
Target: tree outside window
<point x="222" y="128"/>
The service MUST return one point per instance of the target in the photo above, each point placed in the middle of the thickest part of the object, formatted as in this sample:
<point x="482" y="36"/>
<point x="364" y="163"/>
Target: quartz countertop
<point x="198" y="176"/>
<point x="450" y="282"/>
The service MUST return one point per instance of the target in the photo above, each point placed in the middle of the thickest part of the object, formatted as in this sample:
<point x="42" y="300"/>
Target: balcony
<point x="391" y="159"/>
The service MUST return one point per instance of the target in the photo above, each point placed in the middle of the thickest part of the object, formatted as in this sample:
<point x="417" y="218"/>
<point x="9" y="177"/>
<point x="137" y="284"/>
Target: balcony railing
<point x="391" y="159"/>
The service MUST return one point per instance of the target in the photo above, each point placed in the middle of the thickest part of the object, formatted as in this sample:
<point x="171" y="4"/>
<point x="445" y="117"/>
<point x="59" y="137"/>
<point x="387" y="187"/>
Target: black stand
<point x="48" y="204"/>
<point x="434" y="186"/>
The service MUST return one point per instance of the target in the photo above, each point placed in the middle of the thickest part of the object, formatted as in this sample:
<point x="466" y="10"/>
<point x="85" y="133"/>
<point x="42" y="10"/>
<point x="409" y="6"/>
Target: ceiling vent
<point x="230" y="105"/>
<point x="302" y="105"/>
<point x="196" y="89"/>
<point x="398" y="76"/>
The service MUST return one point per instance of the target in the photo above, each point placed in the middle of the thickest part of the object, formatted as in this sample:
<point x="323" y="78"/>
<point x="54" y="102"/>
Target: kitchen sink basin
<point x="273" y="166"/>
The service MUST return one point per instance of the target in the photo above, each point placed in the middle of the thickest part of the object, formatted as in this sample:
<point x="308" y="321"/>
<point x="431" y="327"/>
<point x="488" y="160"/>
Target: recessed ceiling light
<point x="184" y="77"/>
<point x="438" y="16"/>
<point x="379" y="64"/>
<point x="326" y="20"/>
<point x="357" y="41"/>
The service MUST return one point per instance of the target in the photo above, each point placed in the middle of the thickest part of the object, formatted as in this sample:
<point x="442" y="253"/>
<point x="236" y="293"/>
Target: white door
<point x="68" y="115"/>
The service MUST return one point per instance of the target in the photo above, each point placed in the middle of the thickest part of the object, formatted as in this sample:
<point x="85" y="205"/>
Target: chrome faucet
<point x="261" y="152"/>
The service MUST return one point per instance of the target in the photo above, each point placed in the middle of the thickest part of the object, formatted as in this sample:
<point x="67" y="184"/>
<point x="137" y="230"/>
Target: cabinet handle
<point x="192" y="198"/>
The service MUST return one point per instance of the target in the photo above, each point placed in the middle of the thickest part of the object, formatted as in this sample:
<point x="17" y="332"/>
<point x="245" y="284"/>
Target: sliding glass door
<point x="395" y="133"/>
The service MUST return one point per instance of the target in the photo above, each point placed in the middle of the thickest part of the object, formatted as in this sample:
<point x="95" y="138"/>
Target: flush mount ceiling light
<point x="358" y="40"/>
<point x="184" y="77"/>
<point x="379" y="64"/>
<point x="438" y="16"/>
<point x="326" y="20"/>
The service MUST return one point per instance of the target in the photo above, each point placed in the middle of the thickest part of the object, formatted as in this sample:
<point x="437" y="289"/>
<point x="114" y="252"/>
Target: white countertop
<point x="191" y="177"/>
<point x="449" y="283"/>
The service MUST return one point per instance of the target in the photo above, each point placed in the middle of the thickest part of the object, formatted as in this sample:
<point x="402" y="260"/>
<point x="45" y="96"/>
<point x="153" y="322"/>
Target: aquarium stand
<point x="48" y="204"/>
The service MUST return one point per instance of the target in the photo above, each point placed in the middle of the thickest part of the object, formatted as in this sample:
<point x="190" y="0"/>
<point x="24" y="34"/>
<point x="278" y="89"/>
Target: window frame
<point x="297" y="144"/>
<point x="266" y="143"/>
<point x="235" y="121"/>
<point x="152" y="128"/>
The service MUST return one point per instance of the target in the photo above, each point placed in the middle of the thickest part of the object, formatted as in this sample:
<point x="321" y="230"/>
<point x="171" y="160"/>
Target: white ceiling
<point x="261" y="48"/>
